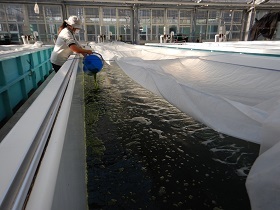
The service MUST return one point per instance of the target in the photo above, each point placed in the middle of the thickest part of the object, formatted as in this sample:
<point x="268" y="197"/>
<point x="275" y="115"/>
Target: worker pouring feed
<point x="66" y="42"/>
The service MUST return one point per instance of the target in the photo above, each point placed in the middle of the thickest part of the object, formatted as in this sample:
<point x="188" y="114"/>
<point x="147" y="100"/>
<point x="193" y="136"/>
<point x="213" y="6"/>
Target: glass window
<point x="200" y="29"/>
<point x="235" y="36"/>
<point x="236" y="27"/>
<point x="92" y="12"/>
<point x="122" y="30"/>
<point x="13" y="27"/>
<point x="33" y="27"/>
<point x="90" y="29"/>
<point x="53" y="14"/>
<point x="226" y="16"/>
<point x="109" y="15"/>
<point x="144" y="12"/>
<point x="185" y="30"/>
<point x="42" y="29"/>
<point x="14" y="12"/>
<point x="143" y="37"/>
<point x="211" y="36"/>
<point x="128" y="37"/>
<point x="157" y="16"/>
<point x="78" y="11"/>
<point x="228" y="27"/>
<point x="214" y="17"/>
<point x="43" y="37"/>
<point x="98" y="29"/>
<point x="125" y="33"/>
<point x="212" y="29"/>
<point x="161" y="29"/>
<point x="14" y="37"/>
<point x="52" y="28"/>
<point x="157" y="30"/>
<point x="172" y="16"/>
<point x="124" y="16"/>
<point x="2" y="12"/>
<point x="112" y="29"/>
<point x="185" y="17"/>
<point x="109" y="12"/>
<point x="201" y="17"/>
<point x="144" y="16"/>
<point x="3" y="27"/>
<point x="145" y="32"/>
<point x="33" y="16"/>
<point x="172" y="28"/>
<point x="237" y="16"/>
<point x="20" y="28"/>
<point x="91" y="38"/>
<point x="92" y="15"/>
<point x="81" y="36"/>
<point x="126" y="30"/>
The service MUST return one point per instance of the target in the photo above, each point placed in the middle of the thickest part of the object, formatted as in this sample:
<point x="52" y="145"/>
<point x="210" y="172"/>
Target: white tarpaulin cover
<point x="235" y="94"/>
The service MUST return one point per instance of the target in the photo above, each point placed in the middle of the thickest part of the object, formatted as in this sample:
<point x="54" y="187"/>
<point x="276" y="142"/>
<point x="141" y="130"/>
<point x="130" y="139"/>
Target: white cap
<point x="74" y="21"/>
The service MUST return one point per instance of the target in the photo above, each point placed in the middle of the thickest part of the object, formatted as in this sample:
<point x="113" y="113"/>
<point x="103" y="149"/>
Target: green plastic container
<point x="20" y="75"/>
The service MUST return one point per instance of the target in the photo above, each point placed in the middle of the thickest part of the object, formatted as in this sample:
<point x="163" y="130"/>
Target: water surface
<point x="143" y="153"/>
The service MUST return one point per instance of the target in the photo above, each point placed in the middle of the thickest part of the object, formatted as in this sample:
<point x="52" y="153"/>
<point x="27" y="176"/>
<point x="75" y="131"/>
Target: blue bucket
<point x="93" y="63"/>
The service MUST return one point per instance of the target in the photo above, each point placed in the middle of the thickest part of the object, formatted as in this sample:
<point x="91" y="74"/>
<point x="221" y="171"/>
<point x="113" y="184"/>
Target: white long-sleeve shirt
<point x="62" y="50"/>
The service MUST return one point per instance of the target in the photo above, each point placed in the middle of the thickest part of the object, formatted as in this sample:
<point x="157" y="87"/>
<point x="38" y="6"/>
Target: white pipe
<point x="172" y="36"/>
<point x="217" y="38"/>
<point x="41" y="196"/>
<point x="24" y="144"/>
<point x="170" y="3"/>
<point x="24" y="40"/>
<point x="161" y="38"/>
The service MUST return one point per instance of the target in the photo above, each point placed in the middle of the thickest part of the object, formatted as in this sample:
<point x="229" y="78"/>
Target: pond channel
<point x="144" y="153"/>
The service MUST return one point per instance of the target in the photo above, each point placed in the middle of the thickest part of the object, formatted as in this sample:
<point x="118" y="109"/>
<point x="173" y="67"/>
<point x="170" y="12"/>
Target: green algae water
<point x="143" y="153"/>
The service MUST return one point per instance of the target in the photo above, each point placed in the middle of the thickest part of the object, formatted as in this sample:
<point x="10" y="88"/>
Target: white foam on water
<point x="159" y="132"/>
<point x="242" y="171"/>
<point x="142" y="120"/>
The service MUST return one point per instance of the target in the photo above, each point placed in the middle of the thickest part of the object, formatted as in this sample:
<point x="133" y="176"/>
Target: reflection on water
<point x="143" y="153"/>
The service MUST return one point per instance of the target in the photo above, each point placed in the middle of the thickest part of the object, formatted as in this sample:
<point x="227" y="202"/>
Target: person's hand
<point x="89" y="52"/>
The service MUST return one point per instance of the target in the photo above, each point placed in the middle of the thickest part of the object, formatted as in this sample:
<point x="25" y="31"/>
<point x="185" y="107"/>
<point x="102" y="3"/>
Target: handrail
<point x="22" y="149"/>
<point x="42" y="193"/>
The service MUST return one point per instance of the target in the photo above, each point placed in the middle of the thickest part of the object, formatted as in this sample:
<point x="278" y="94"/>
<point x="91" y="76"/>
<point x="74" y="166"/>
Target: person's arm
<point x="78" y="49"/>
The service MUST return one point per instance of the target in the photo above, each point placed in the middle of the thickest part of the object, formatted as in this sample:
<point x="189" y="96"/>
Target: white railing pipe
<point x="41" y="196"/>
<point x="22" y="148"/>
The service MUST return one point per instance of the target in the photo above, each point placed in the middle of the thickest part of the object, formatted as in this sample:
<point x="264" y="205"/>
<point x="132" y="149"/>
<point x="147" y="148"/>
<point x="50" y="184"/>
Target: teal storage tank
<point x="20" y="74"/>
